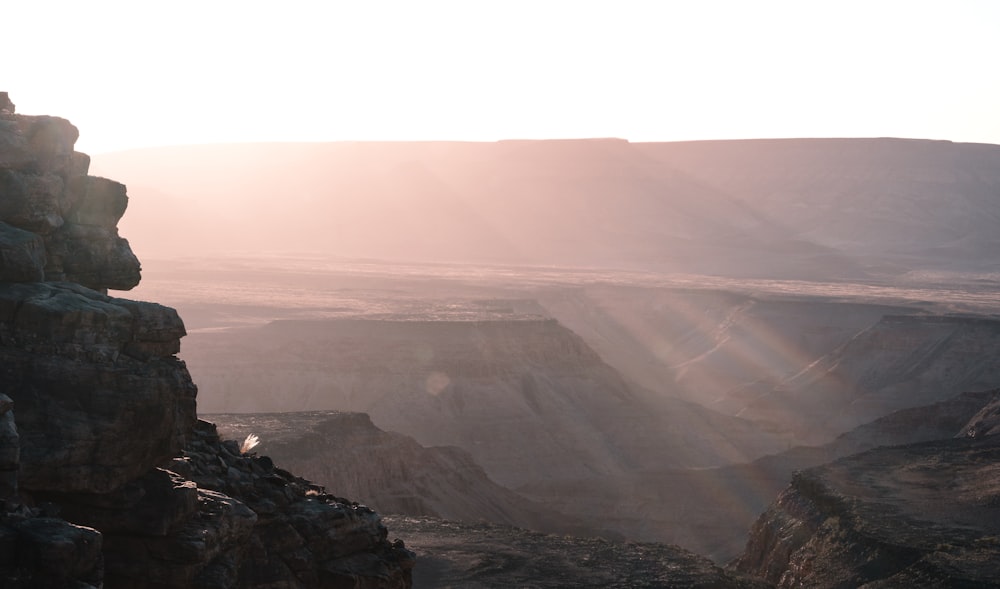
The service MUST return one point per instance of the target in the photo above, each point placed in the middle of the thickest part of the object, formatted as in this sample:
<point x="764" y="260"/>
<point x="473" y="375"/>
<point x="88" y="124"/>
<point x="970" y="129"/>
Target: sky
<point x="139" y="74"/>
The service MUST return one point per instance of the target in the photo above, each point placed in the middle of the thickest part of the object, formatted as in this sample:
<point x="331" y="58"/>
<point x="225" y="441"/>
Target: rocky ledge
<point x="920" y="515"/>
<point x="107" y="478"/>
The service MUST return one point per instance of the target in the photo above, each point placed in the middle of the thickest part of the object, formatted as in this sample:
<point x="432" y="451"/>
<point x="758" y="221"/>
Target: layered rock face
<point x="527" y="398"/>
<point x="900" y="362"/>
<point x="73" y="216"/>
<point x="104" y="478"/>
<point x="919" y="515"/>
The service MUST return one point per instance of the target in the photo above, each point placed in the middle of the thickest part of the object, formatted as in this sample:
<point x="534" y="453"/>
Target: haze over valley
<point x="530" y="333"/>
<point x="480" y="295"/>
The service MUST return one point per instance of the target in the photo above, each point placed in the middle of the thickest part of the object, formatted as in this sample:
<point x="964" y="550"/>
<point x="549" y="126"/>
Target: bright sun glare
<point x="135" y="74"/>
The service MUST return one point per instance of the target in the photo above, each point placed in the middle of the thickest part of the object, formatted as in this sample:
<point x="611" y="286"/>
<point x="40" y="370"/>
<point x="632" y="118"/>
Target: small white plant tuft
<point x="249" y="443"/>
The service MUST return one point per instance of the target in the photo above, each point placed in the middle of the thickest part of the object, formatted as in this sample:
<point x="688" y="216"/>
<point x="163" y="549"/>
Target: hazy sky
<point x="133" y="73"/>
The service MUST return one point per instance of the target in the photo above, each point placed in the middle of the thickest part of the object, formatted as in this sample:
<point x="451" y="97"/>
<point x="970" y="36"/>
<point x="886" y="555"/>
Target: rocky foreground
<point x="107" y="478"/>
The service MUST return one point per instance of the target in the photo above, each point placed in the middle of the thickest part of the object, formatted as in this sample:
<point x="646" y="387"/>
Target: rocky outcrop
<point x="253" y="523"/>
<point x="46" y="191"/>
<point x="920" y="515"/>
<point x="106" y="477"/>
<point x="984" y="423"/>
<point x="87" y="371"/>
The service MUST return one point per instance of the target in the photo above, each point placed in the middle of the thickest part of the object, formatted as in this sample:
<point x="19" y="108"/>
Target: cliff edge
<point x="918" y="515"/>
<point x="107" y="478"/>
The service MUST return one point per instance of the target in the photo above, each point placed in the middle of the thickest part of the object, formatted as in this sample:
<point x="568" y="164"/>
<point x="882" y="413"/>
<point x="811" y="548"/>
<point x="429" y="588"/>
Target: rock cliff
<point x="899" y="362"/>
<point x="710" y="510"/>
<point x="917" y="515"/>
<point x="107" y="479"/>
<point x="523" y="396"/>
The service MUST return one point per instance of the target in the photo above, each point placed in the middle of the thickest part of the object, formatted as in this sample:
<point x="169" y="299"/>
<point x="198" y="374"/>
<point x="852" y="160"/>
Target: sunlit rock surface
<point x="46" y="191"/>
<point x="96" y="410"/>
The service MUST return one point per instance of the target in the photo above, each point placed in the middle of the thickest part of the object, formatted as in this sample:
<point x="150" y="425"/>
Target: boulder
<point x="48" y="552"/>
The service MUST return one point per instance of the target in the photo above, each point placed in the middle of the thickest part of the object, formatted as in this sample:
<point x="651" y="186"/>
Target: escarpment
<point x="919" y="515"/>
<point x="394" y="473"/>
<point x="107" y="479"/>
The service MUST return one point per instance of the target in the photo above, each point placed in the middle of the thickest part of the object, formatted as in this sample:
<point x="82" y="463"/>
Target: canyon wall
<point x="107" y="479"/>
<point x="346" y="453"/>
<point x="899" y="362"/>
<point x="527" y="398"/>
<point x="912" y="515"/>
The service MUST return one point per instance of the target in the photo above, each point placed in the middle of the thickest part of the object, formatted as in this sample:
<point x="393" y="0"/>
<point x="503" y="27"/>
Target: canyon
<point x="550" y="363"/>
<point x="778" y="328"/>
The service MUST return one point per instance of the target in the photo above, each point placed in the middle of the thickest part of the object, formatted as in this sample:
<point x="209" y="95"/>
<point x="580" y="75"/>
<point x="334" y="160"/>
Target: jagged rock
<point x="226" y="520"/>
<point x="93" y="256"/>
<point x="22" y="255"/>
<point x="151" y="505"/>
<point x="48" y="553"/>
<point x="44" y="189"/>
<point x="31" y="201"/>
<point x="302" y="537"/>
<point x="101" y="401"/>
<point x="985" y="423"/>
<point x="80" y="367"/>
<point x="87" y="249"/>
<point x="919" y="515"/>
<point x="190" y="555"/>
<point x="103" y="203"/>
<point x="38" y="144"/>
